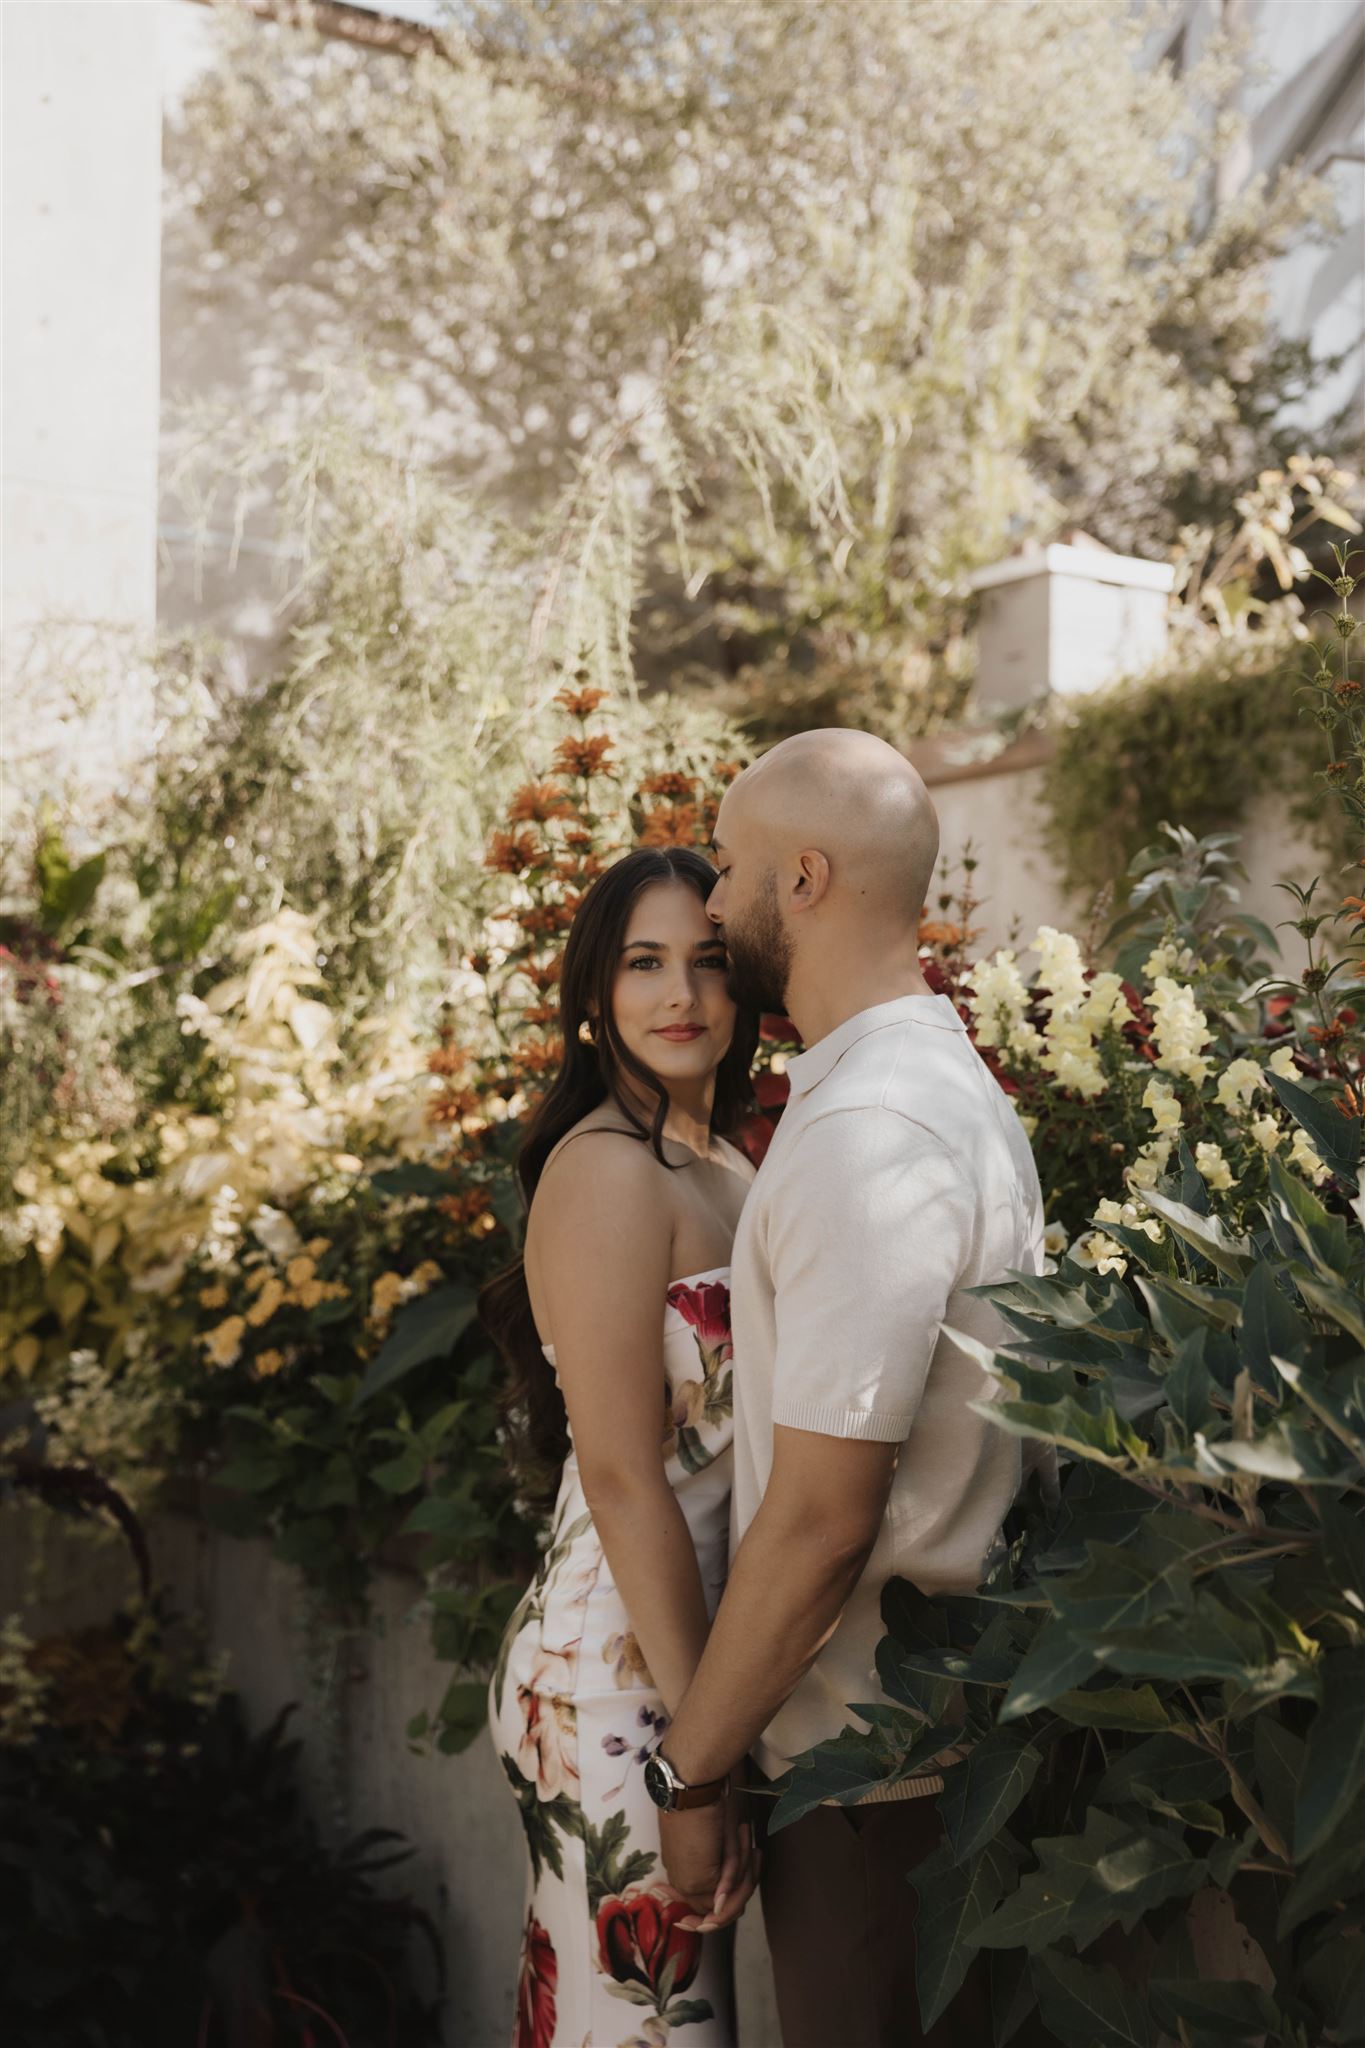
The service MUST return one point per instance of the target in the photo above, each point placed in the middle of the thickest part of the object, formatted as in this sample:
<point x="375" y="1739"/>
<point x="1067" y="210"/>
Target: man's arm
<point x="802" y="1556"/>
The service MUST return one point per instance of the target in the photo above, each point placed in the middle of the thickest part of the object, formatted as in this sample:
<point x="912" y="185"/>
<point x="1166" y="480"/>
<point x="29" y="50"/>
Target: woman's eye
<point x="643" y="960"/>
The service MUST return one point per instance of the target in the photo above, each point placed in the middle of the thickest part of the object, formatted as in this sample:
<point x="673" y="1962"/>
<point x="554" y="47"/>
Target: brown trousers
<point x="840" y="1921"/>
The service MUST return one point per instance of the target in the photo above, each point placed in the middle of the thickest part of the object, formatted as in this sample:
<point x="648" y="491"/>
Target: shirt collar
<point x="807" y="1069"/>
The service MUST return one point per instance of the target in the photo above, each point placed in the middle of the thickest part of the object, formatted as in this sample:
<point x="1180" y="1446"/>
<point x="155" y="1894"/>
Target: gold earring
<point x="586" y="1034"/>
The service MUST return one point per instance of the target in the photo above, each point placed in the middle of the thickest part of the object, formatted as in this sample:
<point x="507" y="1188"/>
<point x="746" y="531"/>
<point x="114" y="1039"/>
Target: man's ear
<point x="812" y="879"/>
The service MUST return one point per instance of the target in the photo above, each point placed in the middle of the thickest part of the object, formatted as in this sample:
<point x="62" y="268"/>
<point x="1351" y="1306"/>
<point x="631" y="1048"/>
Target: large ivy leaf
<point x="1167" y="1762"/>
<point x="429" y="1327"/>
<point x="1233" y="2010"/>
<point x="953" y="1904"/>
<point x="1086" y="1882"/>
<point x="1312" y="1228"/>
<point x="1334" y="1766"/>
<point x="1279" y="1766"/>
<point x="1336" y="1137"/>
<point x="981" y="1793"/>
<point x="1057" y="1663"/>
<point x="1113" y="1706"/>
<point x="1189" y="1385"/>
<point x="1336" y="1873"/>
<point x="1084" y="2007"/>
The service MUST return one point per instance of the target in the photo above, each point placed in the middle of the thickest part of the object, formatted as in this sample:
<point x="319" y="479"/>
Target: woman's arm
<point x="602" y="1236"/>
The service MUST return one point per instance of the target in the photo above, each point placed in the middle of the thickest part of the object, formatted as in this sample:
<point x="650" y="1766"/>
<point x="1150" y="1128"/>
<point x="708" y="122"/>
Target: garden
<point x="275" y="1013"/>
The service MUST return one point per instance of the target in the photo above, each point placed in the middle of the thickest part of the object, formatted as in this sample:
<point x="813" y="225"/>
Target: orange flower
<point x="1351" y="1101"/>
<point x="447" y="1059"/>
<point x="535" y="803"/>
<point x="1356" y="906"/>
<point x="511" y="853"/>
<point x="726" y="771"/>
<point x="530" y="1061"/>
<point x="585" y="757"/>
<point x="575" y="836"/>
<point x="671" y="784"/>
<point x="580" y="703"/>
<point x="540" y="1015"/>
<point x="932" y="933"/>
<point x="453" y="1105"/>
<point x="545" y="974"/>
<point x="1328" y="1034"/>
<point x="544" y="920"/>
<point x="467" y="1210"/>
<point x="670" y="825"/>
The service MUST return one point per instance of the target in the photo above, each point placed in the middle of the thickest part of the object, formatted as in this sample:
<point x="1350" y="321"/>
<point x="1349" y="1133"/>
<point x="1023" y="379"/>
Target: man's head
<point x="826" y="848"/>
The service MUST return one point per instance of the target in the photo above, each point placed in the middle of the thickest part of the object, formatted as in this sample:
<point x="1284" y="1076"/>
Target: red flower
<point x="707" y="1309"/>
<point x="754" y="1136"/>
<point x="781" y="1028"/>
<point x="639" y="1937"/>
<point x="772" y="1090"/>
<point x="535" y="2023"/>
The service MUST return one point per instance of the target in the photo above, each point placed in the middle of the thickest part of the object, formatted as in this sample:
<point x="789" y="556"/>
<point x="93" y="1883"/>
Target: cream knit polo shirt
<point x="899" y="1176"/>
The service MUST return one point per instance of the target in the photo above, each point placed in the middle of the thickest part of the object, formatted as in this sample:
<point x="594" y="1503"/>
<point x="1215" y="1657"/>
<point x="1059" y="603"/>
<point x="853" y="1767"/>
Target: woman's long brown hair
<point x="533" y="1406"/>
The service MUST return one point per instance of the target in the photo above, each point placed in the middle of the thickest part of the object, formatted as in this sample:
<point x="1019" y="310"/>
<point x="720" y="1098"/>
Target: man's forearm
<point x="786" y="1591"/>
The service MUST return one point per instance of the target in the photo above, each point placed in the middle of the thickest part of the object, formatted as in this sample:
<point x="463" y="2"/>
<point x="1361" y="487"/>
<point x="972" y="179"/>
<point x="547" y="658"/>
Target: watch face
<point x="657" y="1783"/>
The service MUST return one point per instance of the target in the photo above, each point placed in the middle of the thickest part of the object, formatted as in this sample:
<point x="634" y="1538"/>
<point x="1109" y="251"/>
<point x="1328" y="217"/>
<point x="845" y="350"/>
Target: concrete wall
<point x="356" y="1698"/>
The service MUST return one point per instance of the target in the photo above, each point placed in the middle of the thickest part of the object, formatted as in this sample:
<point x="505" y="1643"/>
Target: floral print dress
<point x="574" y="1716"/>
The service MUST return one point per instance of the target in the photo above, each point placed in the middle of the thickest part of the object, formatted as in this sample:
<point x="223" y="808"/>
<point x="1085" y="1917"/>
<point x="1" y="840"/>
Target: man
<point x="898" y="1178"/>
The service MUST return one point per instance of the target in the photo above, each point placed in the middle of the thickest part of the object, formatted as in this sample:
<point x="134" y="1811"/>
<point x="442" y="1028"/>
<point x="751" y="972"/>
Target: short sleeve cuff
<point x="869" y="1425"/>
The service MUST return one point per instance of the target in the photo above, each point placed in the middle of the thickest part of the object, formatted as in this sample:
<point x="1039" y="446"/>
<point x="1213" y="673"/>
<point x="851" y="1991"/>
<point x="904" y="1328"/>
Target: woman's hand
<point x="711" y="1860"/>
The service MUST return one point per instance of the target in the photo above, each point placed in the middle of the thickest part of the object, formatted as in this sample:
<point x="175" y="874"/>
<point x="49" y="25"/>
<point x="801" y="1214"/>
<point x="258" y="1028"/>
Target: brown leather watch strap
<point x="702" y="1795"/>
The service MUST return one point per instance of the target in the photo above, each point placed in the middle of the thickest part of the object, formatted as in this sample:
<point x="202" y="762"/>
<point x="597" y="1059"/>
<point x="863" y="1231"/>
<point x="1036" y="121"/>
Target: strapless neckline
<point x="683" y="1280"/>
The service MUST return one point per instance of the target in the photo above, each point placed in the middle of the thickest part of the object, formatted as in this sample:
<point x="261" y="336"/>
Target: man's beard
<point x="760" y="955"/>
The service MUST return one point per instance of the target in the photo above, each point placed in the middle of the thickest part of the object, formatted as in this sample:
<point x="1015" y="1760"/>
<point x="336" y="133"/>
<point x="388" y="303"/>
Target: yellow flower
<point x="213" y="1297"/>
<point x="266" y="1303"/>
<point x="426" y="1275"/>
<point x="1211" y="1164"/>
<point x="310" y="1294"/>
<point x="1282" y="1063"/>
<point x="1161" y="1099"/>
<point x="1267" y="1132"/>
<point x="257" y="1278"/>
<point x="386" y="1294"/>
<point x="299" y="1270"/>
<point x="316" y="1246"/>
<point x="267" y="1363"/>
<point x="224" y="1345"/>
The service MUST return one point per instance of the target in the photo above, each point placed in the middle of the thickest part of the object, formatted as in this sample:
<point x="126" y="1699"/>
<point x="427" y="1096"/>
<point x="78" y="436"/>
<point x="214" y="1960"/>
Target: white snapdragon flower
<point x="999" y="1002"/>
<point x="1267" y="1132"/>
<point x="1131" y="1215"/>
<point x="1238" y="1082"/>
<point x="1211" y="1164"/>
<point x="1161" y="1099"/>
<point x="1180" y="1030"/>
<point x="1304" y="1154"/>
<point x="1069" y="1036"/>
<point x="1098" y="1253"/>
<point x="1151" y="1162"/>
<point x="1282" y="1063"/>
<point x="1054" y="1239"/>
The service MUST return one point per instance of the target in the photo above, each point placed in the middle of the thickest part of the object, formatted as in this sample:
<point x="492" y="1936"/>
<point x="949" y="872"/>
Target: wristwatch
<point x="669" y="1792"/>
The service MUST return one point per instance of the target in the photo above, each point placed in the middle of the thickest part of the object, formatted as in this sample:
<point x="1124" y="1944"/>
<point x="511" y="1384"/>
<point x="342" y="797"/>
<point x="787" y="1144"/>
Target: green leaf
<point x="1269" y="1325"/>
<point x="1205" y="1234"/>
<point x="1279" y="1767"/>
<point x="953" y="1903"/>
<point x="1343" y="1551"/>
<point x="1334" y="1764"/>
<point x="1189" y="1388"/>
<point x="1336" y="1873"/>
<point x="1112" y="1872"/>
<point x="981" y="1793"/>
<point x="313" y="1543"/>
<point x="1168" y="1764"/>
<point x="687" y="2012"/>
<point x="462" y="1715"/>
<point x="1113" y="1706"/>
<point x="1057" y="1663"/>
<point x="428" y="1328"/>
<point x="1336" y="1137"/>
<point x="249" y="1474"/>
<point x="414" y="1177"/>
<point x="402" y="1474"/>
<point x="1089" y="2008"/>
<point x="851" y="1764"/>
<point x="1320" y="1234"/>
<point x="1230" y="2009"/>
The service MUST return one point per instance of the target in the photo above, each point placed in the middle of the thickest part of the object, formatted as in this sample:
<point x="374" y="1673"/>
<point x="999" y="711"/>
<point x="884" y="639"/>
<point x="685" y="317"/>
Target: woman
<point x="616" y="1329"/>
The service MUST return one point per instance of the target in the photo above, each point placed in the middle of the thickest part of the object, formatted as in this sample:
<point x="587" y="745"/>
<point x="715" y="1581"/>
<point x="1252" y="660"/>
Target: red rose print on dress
<point x="643" y="1946"/>
<point x="535" y="2024"/>
<point x="690" y="1406"/>
<point x="707" y="1309"/>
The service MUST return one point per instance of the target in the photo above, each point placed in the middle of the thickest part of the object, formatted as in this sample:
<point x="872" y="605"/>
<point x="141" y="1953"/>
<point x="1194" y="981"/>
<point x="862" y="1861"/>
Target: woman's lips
<point x="681" y="1032"/>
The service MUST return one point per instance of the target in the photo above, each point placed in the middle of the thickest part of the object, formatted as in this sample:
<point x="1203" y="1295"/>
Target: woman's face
<point x="669" y="1001"/>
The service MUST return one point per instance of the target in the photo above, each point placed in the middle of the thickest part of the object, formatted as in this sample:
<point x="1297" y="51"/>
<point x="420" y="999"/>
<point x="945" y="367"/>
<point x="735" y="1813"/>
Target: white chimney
<point x="1067" y="618"/>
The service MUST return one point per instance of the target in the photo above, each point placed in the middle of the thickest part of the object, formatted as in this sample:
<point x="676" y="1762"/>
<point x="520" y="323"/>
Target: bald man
<point x="899" y="1178"/>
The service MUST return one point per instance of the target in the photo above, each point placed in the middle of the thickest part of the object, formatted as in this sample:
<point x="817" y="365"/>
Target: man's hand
<point x="710" y="1859"/>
